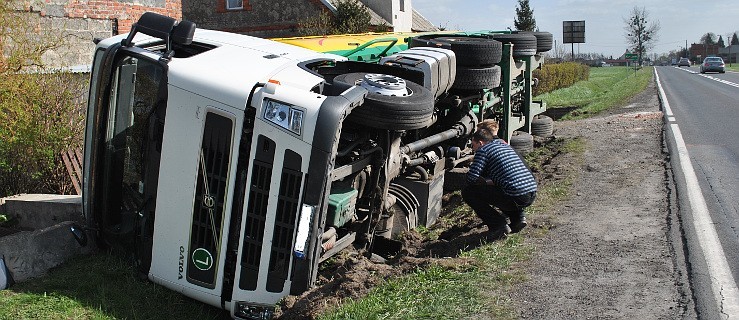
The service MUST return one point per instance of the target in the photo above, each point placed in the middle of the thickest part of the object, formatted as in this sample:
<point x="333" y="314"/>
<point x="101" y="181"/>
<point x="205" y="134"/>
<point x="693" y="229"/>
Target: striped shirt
<point x="498" y="162"/>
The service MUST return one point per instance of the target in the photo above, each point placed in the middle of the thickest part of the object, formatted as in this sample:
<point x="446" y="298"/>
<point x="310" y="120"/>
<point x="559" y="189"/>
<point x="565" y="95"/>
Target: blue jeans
<point x="485" y="199"/>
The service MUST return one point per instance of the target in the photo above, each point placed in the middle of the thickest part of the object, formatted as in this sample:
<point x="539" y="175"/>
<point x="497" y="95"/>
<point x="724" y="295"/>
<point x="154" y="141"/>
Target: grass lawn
<point x="99" y="286"/>
<point x="734" y="67"/>
<point x="607" y="87"/>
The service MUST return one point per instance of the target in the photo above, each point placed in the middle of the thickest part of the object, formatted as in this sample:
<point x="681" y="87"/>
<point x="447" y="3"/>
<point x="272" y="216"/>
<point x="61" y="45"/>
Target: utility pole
<point x="686" y="49"/>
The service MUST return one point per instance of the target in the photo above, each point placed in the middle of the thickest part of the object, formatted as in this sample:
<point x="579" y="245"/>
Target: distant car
<point x="674" y="62"/>
<point x="713" y="64"/>
<point x="684" y="62"/>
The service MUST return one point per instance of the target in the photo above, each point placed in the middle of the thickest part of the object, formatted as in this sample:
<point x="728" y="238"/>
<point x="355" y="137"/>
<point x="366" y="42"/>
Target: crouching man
<point x="498" y="178"/>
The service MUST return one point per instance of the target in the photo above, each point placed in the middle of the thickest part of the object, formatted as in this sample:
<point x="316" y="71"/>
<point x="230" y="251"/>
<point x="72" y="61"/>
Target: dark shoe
<point x="500" y="232"/>
<point x="517" y="226"/>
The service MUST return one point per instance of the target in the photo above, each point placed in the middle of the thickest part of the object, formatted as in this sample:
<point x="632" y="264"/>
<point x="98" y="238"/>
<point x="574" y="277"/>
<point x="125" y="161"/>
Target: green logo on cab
<point x="202" y="259"/>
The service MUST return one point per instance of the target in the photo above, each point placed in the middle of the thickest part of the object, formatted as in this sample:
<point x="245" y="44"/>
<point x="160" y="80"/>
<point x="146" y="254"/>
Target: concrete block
<point x="30" y="254"/>
<point x="38" y="211"/>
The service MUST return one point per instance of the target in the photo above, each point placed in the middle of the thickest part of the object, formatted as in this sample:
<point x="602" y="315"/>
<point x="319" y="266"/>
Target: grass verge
<point x="606" y="88"/>
<point x="99" y="286"/>
<point x="468" y="289"/>
<point x="734" y="67"/>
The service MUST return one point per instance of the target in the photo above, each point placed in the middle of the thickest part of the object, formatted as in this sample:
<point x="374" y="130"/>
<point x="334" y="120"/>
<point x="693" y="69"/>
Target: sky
<point x="679" y="20"/>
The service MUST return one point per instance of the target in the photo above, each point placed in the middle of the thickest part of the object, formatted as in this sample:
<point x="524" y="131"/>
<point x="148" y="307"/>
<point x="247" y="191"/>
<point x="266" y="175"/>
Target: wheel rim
<point x="386" y="85"/>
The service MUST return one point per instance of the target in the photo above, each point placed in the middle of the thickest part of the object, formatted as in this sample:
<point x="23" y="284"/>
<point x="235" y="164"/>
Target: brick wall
<point x="80" y="21"/>
<point x="261" y="18"/>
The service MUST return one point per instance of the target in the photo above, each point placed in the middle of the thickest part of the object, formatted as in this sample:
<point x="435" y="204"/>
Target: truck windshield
<point x="132" y="127"/>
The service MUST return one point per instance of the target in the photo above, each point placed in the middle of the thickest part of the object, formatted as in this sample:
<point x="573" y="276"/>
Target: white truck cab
<point x="230" y="166"/>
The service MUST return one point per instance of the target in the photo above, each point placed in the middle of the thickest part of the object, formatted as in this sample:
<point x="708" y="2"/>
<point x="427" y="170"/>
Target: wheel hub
<point x="384" y="84"/>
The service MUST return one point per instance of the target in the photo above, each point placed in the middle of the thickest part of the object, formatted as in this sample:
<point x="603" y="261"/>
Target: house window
<point x="234" y="4"/>
<point x="402" y="5"/>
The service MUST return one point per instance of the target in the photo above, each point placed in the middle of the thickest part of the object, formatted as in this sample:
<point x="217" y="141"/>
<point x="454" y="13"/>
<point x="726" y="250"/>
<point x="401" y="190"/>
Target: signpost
<point x="632" y="57"/>
<point x="573" y="32"/>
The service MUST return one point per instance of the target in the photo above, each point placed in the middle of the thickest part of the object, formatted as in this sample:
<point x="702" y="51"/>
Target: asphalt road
<point x="702" y="113"/>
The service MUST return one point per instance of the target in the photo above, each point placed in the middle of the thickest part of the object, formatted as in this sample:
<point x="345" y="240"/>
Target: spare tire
<point x="543" y="40"/>
<point x="422" y="41"/>
<point x="407" y="108"/>
<point x="542" y="126"/>
<point x="524" y="45"/>
<point x="477" y="78"/>
<point x="522" y="142"/>
<point x="471" y="51"/>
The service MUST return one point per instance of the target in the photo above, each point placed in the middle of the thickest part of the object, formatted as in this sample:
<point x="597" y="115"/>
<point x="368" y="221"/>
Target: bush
<point x="351" y="16"/>
<point x="41" y="111"/>
<point x="561" y="75"/>
<point x="40" y="117"/>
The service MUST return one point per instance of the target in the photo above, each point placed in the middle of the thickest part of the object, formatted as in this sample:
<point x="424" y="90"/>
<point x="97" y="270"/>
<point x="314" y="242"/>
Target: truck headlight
<point x="249" y="311"/>
<point x="284" y="115"/>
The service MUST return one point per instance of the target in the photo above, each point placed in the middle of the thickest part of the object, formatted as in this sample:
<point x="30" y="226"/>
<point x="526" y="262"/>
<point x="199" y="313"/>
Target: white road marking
<point x="724" y="287"/>
<point x="736" y="85"/>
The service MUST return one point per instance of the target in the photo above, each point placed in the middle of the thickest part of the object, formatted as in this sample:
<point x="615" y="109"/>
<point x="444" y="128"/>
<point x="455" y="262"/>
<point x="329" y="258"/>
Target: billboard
<point x="573" y="31"/>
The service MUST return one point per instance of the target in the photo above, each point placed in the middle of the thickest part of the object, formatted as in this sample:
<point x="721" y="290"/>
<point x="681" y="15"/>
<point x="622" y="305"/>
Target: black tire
<point x="544" y="40"/>
<point x="524" y="45"/>
<point x="414" y="111"/>
<point x="471" y="51"/>
<point x="422" y="41"/>
<point x="477" y="78"/>
<point x="542" y="126"/>
<point x="522" y="142"/>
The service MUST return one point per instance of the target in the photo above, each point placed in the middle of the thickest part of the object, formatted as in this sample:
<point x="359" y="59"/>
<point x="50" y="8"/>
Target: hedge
<point x="560" y="75"/>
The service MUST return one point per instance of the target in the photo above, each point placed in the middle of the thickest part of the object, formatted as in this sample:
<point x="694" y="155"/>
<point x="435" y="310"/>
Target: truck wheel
<point x="542" y="126"/>
<point x="477" y="78"/>
<point x="522" y="142"/>
<point x="422" y="41"/>
<point x="524" y="45"/>
<point x="543" y="40"/>
<point x="471" y="51"/>
<point x="392" y="102"/>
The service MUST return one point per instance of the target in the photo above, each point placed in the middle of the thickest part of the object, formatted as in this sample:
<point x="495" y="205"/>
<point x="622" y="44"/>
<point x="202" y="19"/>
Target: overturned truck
<point x="230" y="166"/>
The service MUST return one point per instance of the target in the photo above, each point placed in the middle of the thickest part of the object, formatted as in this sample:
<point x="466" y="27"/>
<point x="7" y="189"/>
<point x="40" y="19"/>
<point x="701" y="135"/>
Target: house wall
<point x="398" y="12"/>
<point x="261" y="18"/>
<point x="730" y="50"/>
<point x="78" y="22"/>
<point x="702" y="50"/>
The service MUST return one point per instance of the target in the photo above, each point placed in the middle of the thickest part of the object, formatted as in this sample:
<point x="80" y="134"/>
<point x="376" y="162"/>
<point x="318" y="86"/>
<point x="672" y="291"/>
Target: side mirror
<point x="79" y="234"/>
<point x="183" y="32"/>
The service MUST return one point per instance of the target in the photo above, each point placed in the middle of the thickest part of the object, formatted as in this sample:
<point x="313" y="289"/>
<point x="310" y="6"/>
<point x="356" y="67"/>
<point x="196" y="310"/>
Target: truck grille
<point x="210" y="196"/>
<point x="287" y="211"/>
<point x="256" y="213"/>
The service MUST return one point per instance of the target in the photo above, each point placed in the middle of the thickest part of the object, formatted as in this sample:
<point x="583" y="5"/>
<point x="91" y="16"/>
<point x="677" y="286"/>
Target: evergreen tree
<point x="734" y="39"/>
<point x="720" y="42"/>
<point x="524" y="20"/>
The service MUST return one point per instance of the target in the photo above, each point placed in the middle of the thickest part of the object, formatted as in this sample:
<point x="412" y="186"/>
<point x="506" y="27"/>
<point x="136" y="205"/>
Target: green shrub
<point x="560" y="75"/>
<point x="351" y="16"/>
<point x="40" y="116"/>
<point x="41" y="111"/>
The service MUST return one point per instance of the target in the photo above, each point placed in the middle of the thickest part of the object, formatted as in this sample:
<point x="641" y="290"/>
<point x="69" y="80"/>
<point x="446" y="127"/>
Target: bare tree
<point x="708" y="38"/>
<point x="641" y="34"/>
